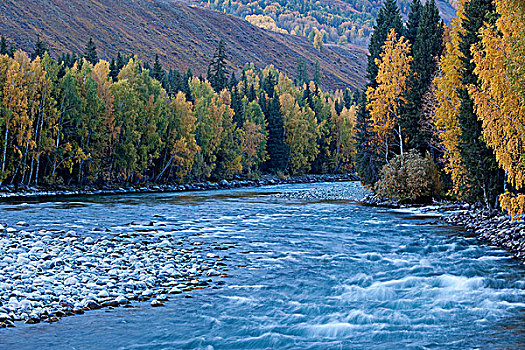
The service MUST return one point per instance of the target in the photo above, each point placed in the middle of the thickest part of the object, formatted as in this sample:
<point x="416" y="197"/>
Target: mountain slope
<point x="340" y="21"/>
<point x="183" y="36"/>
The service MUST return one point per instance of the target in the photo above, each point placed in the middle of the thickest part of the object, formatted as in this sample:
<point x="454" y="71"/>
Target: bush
<point x="410" y="178"/>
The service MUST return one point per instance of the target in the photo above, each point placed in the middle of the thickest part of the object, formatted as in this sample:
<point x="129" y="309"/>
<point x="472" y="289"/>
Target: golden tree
<point x="500" y="107"/>
<point x="448" y="83"/>
<point x="384" y="100"/>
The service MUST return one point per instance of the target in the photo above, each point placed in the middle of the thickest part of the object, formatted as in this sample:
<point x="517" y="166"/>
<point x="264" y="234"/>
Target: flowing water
<point x="303" y="275"/>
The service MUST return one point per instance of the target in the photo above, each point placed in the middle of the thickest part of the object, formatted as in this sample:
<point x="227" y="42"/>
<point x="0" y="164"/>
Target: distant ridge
<point x="183" y="36"/>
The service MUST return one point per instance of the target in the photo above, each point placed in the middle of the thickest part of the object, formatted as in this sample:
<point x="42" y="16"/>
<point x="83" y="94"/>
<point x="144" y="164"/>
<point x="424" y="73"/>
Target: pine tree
<point x="276" y="146"/>
<point x="427" y="48"/>
<point x="158" y="73"/>
<point x="113" y="70"/>
<point x="121" y="62"/>
<point x="217" y="69"/>
<point x="233" y="81"/>
<point x="90" y="52"/>
<point x="302" y="72"/>
<point x="387" y="18"/>
<point x="317" y="74"/>
<point x="40" y="48"/>
<point x="368" y="161"/>
<point x="4" y="50"/>
<point x="478" y="158"/>
<point x="269" y="83"/>
<point x="414" y="17"/>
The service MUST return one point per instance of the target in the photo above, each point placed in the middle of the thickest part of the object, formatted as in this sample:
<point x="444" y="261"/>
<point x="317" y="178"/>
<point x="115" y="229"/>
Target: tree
<point x="414" y="17"/>
<point x="90" y="52"/>
<point x="426" y="50"/>
<point x="276" y="146"/>
<point x="388" y="18"/>
<point x="477" y="157"/>
<point x="500" y="106"/>
<point x="300" y="127"/>
<point x="302" y="72"/>
<point x="40" y="48"/>
<point x="317" y="73"/>
<point x="448" y="83"/>
<point x="384" y="100"/>
<point x="217" y="68"/>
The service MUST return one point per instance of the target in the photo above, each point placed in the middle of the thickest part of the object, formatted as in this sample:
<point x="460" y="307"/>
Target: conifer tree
<point x="113" y="70"/>
<point x="40" y="48"/>
<point x="427" y="48"/>
<point x="217" y="69"/>
<point x="317" y="73"/>
<point x="90" y="52"/>
<point x="387" y="18"/>
<point x="477" y="157"/>
<point x="414" y="17"/>
<point x="277" y="149"/>
<point x="4" y="50"/>
<point x="302" y="72"/>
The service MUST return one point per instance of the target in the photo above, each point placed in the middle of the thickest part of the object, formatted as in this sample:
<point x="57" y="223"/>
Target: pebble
<point x="49" y="274"/>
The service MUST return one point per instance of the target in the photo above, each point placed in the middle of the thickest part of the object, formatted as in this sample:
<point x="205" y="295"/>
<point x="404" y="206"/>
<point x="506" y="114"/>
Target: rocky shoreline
<point x="491" y="226"/>
<point x="11" y="192"/>
<point x="50" y="274"/>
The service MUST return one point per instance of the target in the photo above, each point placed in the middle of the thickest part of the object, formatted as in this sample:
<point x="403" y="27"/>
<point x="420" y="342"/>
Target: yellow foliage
<point x="384" y="100"/>
<point x="500" y="107"/>
<point x="265" y="22"/>
<point x="448" y="82"/>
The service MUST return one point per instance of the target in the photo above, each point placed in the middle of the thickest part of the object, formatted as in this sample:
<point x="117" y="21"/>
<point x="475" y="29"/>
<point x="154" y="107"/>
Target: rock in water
<point x="156" y="303"/>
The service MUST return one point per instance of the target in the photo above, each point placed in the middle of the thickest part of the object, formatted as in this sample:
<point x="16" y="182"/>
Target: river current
<point x="304" y="274"/>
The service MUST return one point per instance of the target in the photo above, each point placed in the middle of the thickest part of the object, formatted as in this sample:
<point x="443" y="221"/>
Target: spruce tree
<point x="113" y="71"/>
<point x="252" y="95"/>
<point x="478" y="158"/>
<point x="387" y="18"/>
<point x="368" y="162"/>
<point x="269" y="84"/>
<point x="217" y="69"/>
<point x="317" y="74"/>
<point x="90" y="52"/>
<point x="158" y="73"/>
<point x="3" y="46"/>
<point x="233" y="81"/>
<point x="121" y="61"/>
<point x="414" y="17"/>
<point x="40" y="48"/>
<point x="302" y="72"/>
<point x="186" y="85"/>
<point x="276" y="146"/>
<point x="426" y="50"/>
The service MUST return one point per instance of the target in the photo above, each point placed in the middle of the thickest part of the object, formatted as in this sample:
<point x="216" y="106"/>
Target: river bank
<point x="13" y="192"/>
<point x="50" y="274"/>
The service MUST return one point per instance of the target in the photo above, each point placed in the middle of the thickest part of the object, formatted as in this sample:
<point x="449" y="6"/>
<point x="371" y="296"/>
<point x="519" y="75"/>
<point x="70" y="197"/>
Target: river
<point x="303" y="274"/>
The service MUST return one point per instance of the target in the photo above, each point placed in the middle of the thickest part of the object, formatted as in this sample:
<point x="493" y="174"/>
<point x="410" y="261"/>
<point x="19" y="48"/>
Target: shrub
<point x="410" y="178"/>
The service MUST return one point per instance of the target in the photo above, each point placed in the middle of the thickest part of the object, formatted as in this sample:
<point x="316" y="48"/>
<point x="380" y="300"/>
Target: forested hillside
<point x="182" y="36"/>
<point x="82" y="120"/>
<point x="331" y="21"/>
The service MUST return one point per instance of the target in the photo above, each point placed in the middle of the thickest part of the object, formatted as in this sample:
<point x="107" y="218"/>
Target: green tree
<point x="217" y="68"/>
<point x="477" y="157"/>
<point x="302" y="72"/>
<point x="427" y="48"/>
<point x="387" y="18"/>
<point x="90" y="52"/>
<point x="276" y="146"/>
<point x="40" y="48"/>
